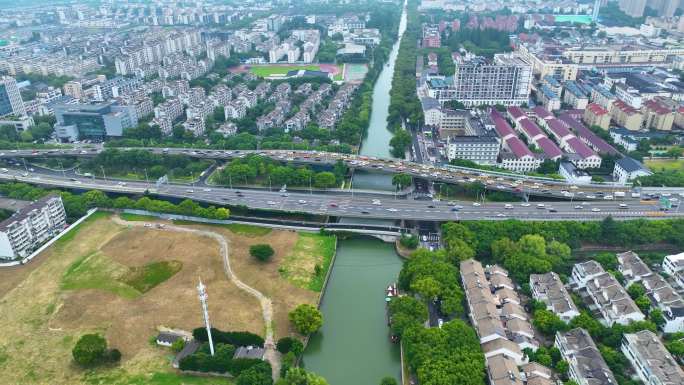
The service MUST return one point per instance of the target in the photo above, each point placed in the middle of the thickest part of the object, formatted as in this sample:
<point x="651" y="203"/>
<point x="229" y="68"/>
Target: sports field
<point x="280" y="70"/>
<point x="578" y="19"/>
<point x="125" y="282"/>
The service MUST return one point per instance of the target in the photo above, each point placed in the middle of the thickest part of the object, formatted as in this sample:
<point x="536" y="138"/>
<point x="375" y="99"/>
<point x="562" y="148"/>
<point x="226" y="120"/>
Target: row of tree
<point x="77" y="205"/>
<point x="264" y="170"/>
<point x="116" y="162"/>
<point x="447" y="355"/>
<point x="404" y="105"/>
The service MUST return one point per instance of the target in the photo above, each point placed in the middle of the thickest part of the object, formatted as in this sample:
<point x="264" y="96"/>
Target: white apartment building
<point x="673" y="265"/>
<point x="651" y="361"/>
<point x="479" y="149"/>
<point x="31" y="226"/>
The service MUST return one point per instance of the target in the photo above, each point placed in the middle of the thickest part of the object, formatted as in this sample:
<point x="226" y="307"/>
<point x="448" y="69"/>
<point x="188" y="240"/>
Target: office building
<point x="31" y="226"/>
<point x="651" y="361"/>
<point x="93" y="121"/>
<point x="586" y="365"/>
<point x="506" y="80"/>
<point x="10" y="97"/>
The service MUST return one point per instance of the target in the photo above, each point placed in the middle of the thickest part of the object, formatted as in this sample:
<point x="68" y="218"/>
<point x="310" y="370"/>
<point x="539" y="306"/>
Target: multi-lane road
<point x="381" y="207"/>
<point x="514" y="183"/>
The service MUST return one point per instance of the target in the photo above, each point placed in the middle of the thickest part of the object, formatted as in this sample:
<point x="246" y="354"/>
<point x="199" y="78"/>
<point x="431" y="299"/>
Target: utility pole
<point x="104" y="176"/>
<point x="202" y="290"/>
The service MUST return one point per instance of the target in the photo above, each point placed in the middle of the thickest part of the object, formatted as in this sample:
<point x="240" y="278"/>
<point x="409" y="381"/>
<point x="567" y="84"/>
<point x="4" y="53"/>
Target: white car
<point x="207" y="189"/>
<point x="302" y="202"/>
<point x="476" y="204"/>
<point x="540" y="205"/>
<point x="508" y="206"/>
<point x="377" y="202"/>
<point x="596" y="209"/>
<point x="392" y="209"/>
<point x="271" y="203"/>
<point x="525" y="204"/>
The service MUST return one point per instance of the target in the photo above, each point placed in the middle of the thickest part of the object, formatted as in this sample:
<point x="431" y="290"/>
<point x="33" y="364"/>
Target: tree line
<point x="264" y="170"/>
<point x="77" y="205"/>
<point x="116" y="162"/>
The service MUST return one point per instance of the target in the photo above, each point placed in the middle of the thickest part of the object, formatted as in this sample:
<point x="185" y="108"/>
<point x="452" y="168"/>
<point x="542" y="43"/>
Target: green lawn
<point x="237" y="228"/>
<point x="98" y="271"/>
<point x="667" y="164"/>
<point x="144" y="278"/>
<point x="311" y="250"/>
<point x="265" y="71"/>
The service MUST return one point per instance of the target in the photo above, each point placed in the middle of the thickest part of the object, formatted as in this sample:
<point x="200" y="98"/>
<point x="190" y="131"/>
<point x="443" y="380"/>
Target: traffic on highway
<point x="508" y="182"/>
<point x="381" y="207"/>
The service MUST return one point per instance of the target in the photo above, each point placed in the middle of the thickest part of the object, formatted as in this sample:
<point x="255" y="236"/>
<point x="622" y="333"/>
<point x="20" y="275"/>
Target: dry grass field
<point x="125" y="282"/>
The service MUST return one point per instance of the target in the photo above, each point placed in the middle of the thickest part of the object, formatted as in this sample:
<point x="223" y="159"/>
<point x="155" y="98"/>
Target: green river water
<point x="353" y="347"/>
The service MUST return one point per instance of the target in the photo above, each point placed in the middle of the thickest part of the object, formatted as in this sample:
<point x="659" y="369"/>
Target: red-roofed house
<point x="551" y="150"/>
<point x="595" y="115"/>
<point x="657" y="115"/>
<point x="584" y="157"/>
<point x="520" y="158"/>
<point x="559" y="131"/>
<point x="531" y="131"/>
<point x="626" y="116"/>
<point x="516" y="113"/>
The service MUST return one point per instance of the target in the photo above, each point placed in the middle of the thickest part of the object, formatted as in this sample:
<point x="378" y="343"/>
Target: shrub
<point x="289" y="344"/>
<point x="232" y="338"/>
<point x="178" y="345"/>
<point x="91" y="350"/>
<point x="262" y="252"/>
<point x="409" y="241"/>
<point x="259" y="374"/>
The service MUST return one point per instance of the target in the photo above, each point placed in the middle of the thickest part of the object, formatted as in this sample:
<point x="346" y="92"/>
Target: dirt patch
<point x="265" y="276"/>
<point x="54" y="318"/>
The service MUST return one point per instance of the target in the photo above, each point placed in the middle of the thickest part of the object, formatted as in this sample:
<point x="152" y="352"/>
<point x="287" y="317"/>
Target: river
<point x="353" y="345"/>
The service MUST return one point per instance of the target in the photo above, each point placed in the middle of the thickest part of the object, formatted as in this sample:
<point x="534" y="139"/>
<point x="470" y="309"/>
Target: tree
<point x="388" y="381"/>
<point x="299" y="376"/>
<point x="427" y="287"/>
<point x="656" y="316"/>
<point x="548" y="322"/>
<point x="259" y="374"/>
<point x="402" y="180"/>
<point x="636" y="290"/>
<point x="406" y="311"/>
<point x="409" y="241"/>
<point x="306" y="319"/>
<point x="674" y="152"/>
<point x="262" y="252"/>
<point x="325" y="179"/>
<point x="562" y="367"/>
<point x="90" y="350"/>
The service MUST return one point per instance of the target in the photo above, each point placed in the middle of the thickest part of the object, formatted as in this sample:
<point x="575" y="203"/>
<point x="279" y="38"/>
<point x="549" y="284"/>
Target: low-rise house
<point x="658" y="290"/>
<point x="652" y="362"/>
<point x="503" y="370"/>
<point x="502" y="346"/>
<point x="549" y="288"/>
<point x="627" y="168"/>
<point x="673" y="265"/>
<point x="586" y="365"/>
<point x="534" y="373"/>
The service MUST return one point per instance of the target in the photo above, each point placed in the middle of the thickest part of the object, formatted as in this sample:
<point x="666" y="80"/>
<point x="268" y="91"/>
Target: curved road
<point x="266" y="306"/>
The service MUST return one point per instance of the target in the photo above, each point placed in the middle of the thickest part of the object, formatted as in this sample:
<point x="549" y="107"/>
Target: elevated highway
<point x="364" y="207"/>
<point x="492" y="180"/>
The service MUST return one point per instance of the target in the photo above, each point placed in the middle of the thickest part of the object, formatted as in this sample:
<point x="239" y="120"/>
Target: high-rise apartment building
<point x="10" y="97"/>
<point x="634" y="8"/>
<point x="31" y="226"/>
<point x="506" y="80"/>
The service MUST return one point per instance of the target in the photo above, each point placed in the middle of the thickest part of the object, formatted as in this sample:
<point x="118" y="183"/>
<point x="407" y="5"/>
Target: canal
<point x="353" y="345"/>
